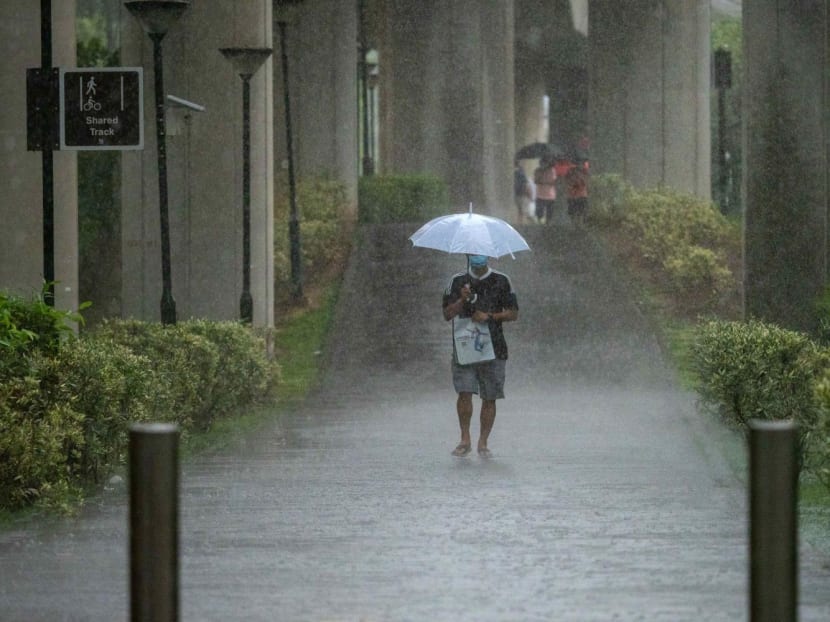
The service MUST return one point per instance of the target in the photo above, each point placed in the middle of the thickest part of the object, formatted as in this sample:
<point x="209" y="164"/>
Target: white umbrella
<point x="472" y="234"/>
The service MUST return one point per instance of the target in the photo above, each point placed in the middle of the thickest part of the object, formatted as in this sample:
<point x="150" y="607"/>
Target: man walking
<point x="485" y="296"/>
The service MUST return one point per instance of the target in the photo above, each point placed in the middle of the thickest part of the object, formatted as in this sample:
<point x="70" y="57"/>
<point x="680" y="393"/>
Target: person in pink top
<point x="545" y="179"/>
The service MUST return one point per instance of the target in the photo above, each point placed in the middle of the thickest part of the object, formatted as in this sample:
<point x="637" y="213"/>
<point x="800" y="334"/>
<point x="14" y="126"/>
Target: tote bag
<point x="472" y="341"/>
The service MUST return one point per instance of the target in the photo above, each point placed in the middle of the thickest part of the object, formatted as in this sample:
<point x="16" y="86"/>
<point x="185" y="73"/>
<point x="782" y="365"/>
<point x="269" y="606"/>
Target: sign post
<point x="102" y="108"/>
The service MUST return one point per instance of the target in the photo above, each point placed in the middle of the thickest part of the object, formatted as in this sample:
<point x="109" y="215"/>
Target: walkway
<point x="607" y="497"/>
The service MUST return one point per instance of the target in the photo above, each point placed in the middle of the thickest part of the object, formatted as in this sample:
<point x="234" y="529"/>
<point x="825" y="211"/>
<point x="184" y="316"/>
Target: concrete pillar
<point x="204" y="169"/>
<point x="322" y="44"/>
<point x="785" y="156"/>
<point x="447" y="97"/>
<point x="649" y="92"/>
<point x="21" y="179"/>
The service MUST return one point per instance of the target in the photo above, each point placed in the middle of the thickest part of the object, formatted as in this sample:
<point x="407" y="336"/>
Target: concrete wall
<point x="21" y="196"/>
<point x="447" y="97"/>
<point x="321" y="42"/>
<point x="204" y="169"/>
<point x="786" y="160"/>
<point x="649" y="92"/>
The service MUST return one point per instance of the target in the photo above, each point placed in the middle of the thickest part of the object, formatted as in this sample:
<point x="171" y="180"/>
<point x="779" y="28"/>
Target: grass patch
<point x="299" y="345"/>
<point x="678" y="336"/>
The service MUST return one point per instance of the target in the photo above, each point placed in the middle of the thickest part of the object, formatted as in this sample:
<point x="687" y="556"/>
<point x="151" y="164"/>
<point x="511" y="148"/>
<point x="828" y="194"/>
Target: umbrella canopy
<point x="469" y="233"/>
<point x="550" y="151"/>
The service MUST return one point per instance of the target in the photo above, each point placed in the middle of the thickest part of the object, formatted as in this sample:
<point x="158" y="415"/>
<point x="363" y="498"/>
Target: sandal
<point x="462" y="450"/>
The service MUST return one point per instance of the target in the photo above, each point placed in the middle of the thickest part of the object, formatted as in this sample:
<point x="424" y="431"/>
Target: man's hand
<point x="480" y="316"/>
<point x="466" y="292"/>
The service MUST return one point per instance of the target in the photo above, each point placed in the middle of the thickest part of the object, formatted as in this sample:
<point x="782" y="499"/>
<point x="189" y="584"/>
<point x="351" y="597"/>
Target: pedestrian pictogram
<point x="102" y="108"/>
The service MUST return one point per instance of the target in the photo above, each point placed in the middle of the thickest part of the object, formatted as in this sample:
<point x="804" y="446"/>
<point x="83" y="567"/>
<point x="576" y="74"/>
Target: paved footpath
<point x="607" y="496"/>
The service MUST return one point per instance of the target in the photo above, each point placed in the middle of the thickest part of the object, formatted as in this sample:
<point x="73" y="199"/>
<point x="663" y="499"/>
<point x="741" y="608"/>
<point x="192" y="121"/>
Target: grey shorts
<point x="486" y="379"/>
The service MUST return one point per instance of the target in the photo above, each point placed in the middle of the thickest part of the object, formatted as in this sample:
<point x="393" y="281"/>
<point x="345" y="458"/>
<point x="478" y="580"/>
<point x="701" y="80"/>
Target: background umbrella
<point x="540" y="150"/>
<point x="471" y="234"/>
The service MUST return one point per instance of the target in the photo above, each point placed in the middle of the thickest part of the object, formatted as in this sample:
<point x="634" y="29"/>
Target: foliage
<point x="324" y="213"/>
<point x="609" y="194"/>
<point x="107" y="387"/>
<point x="698" y="269"/>
<point x="202" y="369"/>
<point x="818" y="438"/>
<point x="401" y="198"/>
<point x="753" y="370"/>
<point x="31" y="325"/>
<point x="823" y="314"/>
<point x="682" y="239"/>
<point x="37" y="439"/>
<point x="64" y="413"/>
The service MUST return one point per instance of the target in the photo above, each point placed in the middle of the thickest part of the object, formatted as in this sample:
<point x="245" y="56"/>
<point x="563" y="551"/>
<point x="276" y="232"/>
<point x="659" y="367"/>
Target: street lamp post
<point x="48" y="160"/>
<point x="363" y="49"/>
<point x="293" y="218"/>
<point x="156" y="17"/>
<point x="246" y="61"/>
<point x="723" y="81"/>
<point x="372" y="84"/>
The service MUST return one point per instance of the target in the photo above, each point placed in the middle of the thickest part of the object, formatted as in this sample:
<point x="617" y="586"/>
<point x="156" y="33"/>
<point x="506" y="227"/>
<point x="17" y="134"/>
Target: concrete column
<point x="649" y="88"/>
<point x="447" y="97"/>
<point x="785" y="156"/>
<point x="21" y="171"/>
<point x="204" y="169"/>
<point x="322" y="38"/>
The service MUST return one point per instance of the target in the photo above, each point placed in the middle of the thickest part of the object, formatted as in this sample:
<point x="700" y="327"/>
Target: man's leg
<point x="488" y="418"/>
<point x="464" y="406"/>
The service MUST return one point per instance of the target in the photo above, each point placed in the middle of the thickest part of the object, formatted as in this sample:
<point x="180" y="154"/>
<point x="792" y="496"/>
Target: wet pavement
<point x="608" y="496"/>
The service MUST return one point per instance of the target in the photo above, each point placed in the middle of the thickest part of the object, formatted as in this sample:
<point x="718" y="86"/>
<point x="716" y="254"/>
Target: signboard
<point x="102" y="108"/>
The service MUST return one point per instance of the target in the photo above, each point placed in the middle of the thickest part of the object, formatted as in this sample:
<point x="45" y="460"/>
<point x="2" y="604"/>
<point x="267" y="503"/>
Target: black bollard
<point x="773" y="537"/>
<point x="154" y="522"/>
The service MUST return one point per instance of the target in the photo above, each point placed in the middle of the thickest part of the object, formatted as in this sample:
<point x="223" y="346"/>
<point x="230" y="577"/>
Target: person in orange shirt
<point x="545" y="179"/>
<point x="576" y="184"/>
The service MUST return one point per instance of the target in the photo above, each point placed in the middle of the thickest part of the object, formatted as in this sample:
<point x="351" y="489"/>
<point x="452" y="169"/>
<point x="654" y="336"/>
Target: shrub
<point x="683" y="240"/>
<point x="37" y="440"/>
<point x="401" y="198"/>
<point x="753" y="370"/>
<point x="697" y="269"/>
<point x="244" y="374"/>
<point x="64" y="415"/>
<point x="609" y="194"/>
<point x="110" y="387"/>
<point x="28" y="326"/>
<point x="325" y="223"/>
<point x="184" y="366"/>
<point x="203" y="369"/>
<point x="818" y="439"/>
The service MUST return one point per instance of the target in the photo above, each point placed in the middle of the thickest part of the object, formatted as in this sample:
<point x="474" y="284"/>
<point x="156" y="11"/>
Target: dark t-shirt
<point x="494" y="294"/>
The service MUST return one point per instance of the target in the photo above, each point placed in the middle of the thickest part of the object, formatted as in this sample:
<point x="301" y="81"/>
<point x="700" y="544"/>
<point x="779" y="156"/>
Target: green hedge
<point x="682" y="238"/>
<point x="753" y="370"/>
<point x="30" y="325"/>
<point x="325" y="225"/>
<point x="202" y="370"/>
<point x="401" y="198"/>
<point x="65" y="409"/>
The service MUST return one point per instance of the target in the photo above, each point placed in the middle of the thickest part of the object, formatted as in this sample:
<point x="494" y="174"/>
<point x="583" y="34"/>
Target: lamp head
<point x="156" y="16"/>
<point x="246" y="61"/>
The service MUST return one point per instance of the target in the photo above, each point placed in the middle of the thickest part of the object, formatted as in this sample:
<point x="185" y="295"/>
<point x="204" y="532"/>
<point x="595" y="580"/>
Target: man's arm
<point x="454" y="308"/>
<point x="505" y="315"/>
<point x="509" y="311"/>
